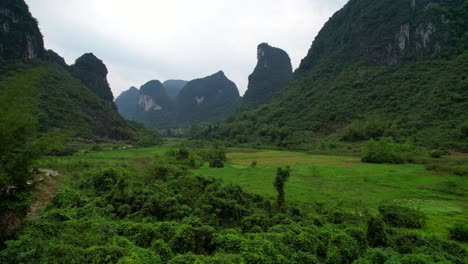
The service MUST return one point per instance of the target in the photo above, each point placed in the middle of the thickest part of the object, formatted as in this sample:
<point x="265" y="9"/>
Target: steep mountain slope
<point x="127" y="103"/>
<point x="207" y="99"/>
<point x="393" y="67"/>
<point x="93" y="73"/>
<point x="173" y="87"/>
<point x="61" y="102"/>
<point x="153" y="97"/>
<point x="20" y="37"/>
<point x="271" y="75"/>
<point x="62" y="98"/>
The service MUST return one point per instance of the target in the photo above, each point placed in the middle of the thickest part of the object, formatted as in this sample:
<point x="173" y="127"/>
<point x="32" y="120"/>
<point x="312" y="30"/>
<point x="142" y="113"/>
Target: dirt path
<point x="45" y="189"/>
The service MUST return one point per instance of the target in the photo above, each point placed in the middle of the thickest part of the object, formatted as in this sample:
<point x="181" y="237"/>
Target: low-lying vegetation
<point x="155" y="210"/>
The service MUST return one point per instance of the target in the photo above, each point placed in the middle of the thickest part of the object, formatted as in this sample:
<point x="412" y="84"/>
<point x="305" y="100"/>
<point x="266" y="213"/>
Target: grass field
<point x="336" y="181"/>
<point x="345" y="182"/>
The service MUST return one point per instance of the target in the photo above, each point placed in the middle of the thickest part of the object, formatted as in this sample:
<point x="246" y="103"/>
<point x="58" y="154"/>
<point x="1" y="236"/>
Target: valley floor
<point x="343" y="182"/>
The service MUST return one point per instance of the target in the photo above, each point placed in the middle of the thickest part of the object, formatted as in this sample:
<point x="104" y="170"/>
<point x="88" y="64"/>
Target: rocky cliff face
<point x="153" y="97"/>
<point x="93" y="73"/>
<point x="271" y="75"/>
<point x="389" y="32"/>
<point x="20" y="37"/>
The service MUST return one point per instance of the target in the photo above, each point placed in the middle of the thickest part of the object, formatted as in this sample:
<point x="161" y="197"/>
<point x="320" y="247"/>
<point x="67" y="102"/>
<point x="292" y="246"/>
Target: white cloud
<point x="141" y="40"/>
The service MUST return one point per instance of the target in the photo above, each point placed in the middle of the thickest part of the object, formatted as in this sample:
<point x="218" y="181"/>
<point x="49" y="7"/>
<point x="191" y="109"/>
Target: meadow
<point x="341" y="182"/>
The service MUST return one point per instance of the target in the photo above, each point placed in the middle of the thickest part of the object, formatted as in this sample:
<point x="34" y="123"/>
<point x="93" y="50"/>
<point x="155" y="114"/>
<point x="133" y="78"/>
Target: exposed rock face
<point x="403" y="31"/>
<point x="153" y="97"/>
<point x="271" y="75"/>
<point x="173" y="87"/>
<point x="127" y="103"/>
<point x="93" y="73"/>
<point x="207" y="99"/>
<point x="20" y="38"/>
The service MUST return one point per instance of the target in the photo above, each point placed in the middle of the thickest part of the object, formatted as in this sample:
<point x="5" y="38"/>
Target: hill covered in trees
<point x="75" y="99"/>
<point x="395" y="68"/>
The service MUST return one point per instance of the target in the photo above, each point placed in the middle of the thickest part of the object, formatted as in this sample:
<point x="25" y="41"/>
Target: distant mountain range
<point x="177" y="103"/>
<point x="207" y="99"/>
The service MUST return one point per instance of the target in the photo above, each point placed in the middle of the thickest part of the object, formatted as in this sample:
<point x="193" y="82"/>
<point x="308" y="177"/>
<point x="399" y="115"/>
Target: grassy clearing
<point x="345" y="182"/>
<point x="336" y="181"/>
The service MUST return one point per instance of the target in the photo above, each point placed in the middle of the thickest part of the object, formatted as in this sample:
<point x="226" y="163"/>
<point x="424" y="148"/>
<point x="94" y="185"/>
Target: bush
<point x="379" y="256"/>
<point x="385" y="150"/>
<point x="342" y="249"/>
<point x="416" y="259"/>
<point x="105" y="179"/>
<point x="376" y="233"/>
<point x="459" y="232"/>
<point x="436" y="154"/>
<point x="216" y="163"/>
<point x="407" y="243"/>
<point x="464" y="129"/>
<point x="399" y="216"/>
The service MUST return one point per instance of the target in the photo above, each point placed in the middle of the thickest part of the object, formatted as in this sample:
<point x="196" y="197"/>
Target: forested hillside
<point x="376" y="68"/>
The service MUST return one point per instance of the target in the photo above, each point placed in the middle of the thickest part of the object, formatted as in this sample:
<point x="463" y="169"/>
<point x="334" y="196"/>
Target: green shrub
<point x="379" y="256"/>
<point x="229" y="240"/>
<point x="105" y="179"/>
<point x="399" y="216"/>
<point x="342" y="249"/>
<point x="416" y="259"/>
<point x="385" y="150"/>
<point x="459" y="232"/>
<point x="464" y="129"/>
<point x="376" y="233"/>
<point x="436" y="153"/>
<point x="216" y="163"/>
<point x="408" y="243"/>
<point x="255" y="220"/>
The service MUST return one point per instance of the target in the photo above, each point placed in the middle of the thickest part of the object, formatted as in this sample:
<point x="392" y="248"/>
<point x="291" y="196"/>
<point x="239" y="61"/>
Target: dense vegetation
<point x="61" y="102"/>
<point x="155" y="210"/>
<point x="365" y="83"/>
<point x="356" y="73"/>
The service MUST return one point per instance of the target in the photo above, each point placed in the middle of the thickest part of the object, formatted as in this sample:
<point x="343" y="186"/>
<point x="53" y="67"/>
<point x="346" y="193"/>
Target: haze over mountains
<point x="202" y="100"/>
<point x="208" y="99"/>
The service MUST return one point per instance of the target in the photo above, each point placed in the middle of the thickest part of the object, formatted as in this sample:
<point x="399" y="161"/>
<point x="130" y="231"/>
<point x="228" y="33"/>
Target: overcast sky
<point x="142" y="40"/>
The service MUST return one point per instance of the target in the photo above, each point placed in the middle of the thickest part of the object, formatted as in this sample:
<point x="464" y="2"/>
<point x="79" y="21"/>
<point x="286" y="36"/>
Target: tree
<point x="282" y="176"/>
<point x="19" y="147"/>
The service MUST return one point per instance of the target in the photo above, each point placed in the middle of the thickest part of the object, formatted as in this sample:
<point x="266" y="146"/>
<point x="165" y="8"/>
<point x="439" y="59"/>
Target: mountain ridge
<point x="352" y="80"/>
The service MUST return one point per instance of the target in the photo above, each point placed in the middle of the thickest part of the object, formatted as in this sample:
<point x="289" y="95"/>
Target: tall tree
<point x="282" y="176"/>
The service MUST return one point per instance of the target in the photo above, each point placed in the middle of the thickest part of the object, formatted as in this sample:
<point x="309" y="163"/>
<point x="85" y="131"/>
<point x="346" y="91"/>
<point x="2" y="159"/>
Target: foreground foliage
<point x="154" y="210"/>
